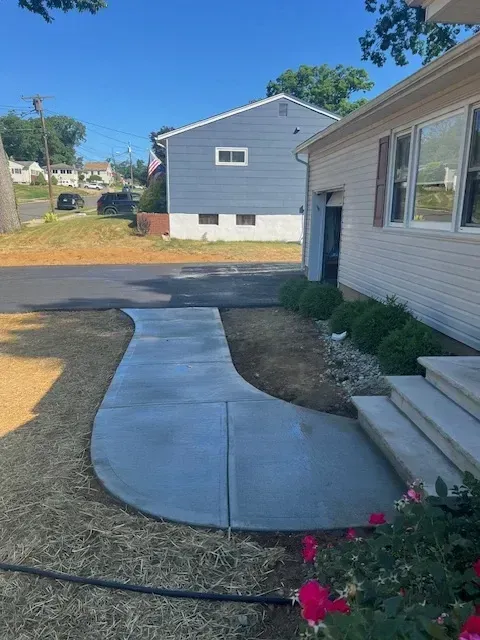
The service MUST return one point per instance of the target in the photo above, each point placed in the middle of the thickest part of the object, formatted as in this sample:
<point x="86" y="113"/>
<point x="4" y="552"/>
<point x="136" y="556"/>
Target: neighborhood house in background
<point x="65" y="174"/>
<point x="394" y="196"/>
<point x="234" y="176"/>
<point x="25" y="172"/>
<point x="101" y="169"/>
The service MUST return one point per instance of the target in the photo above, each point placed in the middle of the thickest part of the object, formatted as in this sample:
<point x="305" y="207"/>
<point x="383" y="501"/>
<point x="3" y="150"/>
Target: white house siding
<point x="436" y="273"/>
<point x="283" y="228"/>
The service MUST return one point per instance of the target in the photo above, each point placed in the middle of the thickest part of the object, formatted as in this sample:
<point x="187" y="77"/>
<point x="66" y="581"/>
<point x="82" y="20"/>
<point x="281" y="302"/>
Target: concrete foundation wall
<point x="283" y="228"/>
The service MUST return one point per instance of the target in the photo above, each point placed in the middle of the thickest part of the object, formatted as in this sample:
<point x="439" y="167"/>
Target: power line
<point x="93" y="124"/>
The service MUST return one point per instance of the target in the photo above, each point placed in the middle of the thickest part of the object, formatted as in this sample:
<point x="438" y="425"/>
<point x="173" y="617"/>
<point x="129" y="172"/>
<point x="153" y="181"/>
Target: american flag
<point x="153" y="164"/>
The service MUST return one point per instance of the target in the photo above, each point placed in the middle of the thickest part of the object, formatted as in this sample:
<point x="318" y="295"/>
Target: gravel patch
<point x="358" y="373"/>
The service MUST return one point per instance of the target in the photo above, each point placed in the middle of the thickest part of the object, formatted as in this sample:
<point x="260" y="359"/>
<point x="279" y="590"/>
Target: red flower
<point x="309" y="554"/>
<point x="351" y="534"/>
<point x="340" y="605"/>
<point x="471" y="629"/>
<point x="310" y="541"/>
<point x="377" y="518"/>
<point x="476" y="567"/>
<point x="477" y="609"/>
<point x="314" y="612"/>
<point x="414" y="495"/>
<point x="309" y="550"/>
<point x="312" y="591"/>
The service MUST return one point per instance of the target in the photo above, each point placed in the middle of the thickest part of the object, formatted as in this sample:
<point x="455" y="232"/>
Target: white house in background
<point x="66" y="175"/>
<point x="102" y="169"/>
<point x="30" y="171"/>
<point x="449" y="11"/>
<point x="16" y="171"/>
<point x="394" y="196"/>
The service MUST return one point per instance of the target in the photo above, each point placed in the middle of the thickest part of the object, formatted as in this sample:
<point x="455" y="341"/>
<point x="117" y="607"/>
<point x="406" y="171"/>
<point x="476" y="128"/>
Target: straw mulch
<point x="56" y="367"/>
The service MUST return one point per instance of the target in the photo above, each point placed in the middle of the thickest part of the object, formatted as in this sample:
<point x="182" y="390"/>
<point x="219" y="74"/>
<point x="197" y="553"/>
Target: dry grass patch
<point x="53" y="514"/>
<point x="103" y="240"/>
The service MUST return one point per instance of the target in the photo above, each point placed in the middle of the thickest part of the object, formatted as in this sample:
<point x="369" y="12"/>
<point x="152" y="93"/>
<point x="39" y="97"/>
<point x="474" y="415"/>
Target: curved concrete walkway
<point x="181" y="435"/>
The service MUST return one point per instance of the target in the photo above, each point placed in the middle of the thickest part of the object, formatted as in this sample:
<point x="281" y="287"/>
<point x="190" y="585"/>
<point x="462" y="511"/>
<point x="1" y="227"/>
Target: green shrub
<point x="345" y="315"/>
<point x="398" y="352"/>
<point x="54" y="181"/>
<point x="413" y="579"/>
<point x="50" y="216"/>
<point x="375" y="324"/>
<point x="290" y="292"/>
<point x="154" y="198"/>
<point x="319" y="301"/>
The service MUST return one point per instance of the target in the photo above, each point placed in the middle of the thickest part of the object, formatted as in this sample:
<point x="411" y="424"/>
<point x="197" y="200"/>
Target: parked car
<point x="93" y="185"/>
<point x="70" y="201"/>
<point x="115" y="203"/>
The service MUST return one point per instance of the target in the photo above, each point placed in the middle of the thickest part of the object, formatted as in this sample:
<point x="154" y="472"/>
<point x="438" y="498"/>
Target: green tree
<point x="139" y="170"/>
<point x="23" y="139"/>
<point x="95" y="178"/>
<point x="154" y="198"/>
<point x="400" y="30"/>
<point x="324" y="86"/>
<point x="157" y="145"/>
<point x="39" y="180"/>
<point x="54" y="181"/>
<point x="43" y="7"/>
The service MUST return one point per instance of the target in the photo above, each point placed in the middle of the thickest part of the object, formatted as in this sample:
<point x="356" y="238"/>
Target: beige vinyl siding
<point x="437" y="273"/>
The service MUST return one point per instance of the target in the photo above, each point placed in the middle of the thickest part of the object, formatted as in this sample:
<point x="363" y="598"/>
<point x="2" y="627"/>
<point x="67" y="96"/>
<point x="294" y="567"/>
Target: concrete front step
<point x="458" y="377"/>
<point x="409" y="451"/>
<point x="452" y="429"/>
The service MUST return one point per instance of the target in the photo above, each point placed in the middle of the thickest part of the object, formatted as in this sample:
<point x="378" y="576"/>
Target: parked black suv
<point x="70" y="201"/>
<point x="114" y="203"/>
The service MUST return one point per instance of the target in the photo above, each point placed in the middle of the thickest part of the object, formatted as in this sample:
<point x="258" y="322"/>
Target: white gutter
<point x="305" y="206"/>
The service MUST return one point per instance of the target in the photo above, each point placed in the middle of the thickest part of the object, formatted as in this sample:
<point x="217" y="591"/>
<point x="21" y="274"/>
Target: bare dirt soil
<point x="282" y="354"/>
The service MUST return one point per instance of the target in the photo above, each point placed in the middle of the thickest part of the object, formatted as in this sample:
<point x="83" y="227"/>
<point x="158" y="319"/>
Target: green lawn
<point x="26" y="192"/>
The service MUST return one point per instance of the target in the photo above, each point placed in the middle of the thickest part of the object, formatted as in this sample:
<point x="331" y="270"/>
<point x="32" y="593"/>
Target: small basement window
<point x="207" y="218"/>
<point x="283" y="109"/>
<point x="231" y="156"/>
<point x="246" y="220"/>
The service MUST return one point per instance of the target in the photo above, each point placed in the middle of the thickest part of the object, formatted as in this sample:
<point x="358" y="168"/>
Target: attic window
<point x="283" y="109"/>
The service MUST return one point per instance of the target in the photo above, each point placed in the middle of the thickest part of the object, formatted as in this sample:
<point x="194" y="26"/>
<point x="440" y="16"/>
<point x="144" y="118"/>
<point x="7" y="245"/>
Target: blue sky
<point x="141" y="64"/>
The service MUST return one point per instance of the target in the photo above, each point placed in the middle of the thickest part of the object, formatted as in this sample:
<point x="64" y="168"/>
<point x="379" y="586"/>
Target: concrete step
<point x="458" y="377"/>
<point x="412" y="455"/>
<point x="452" y="429"/>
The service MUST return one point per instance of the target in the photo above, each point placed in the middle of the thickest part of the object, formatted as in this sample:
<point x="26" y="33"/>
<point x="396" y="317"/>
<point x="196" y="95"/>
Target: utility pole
<point x="131" y="164"/>
<point x="37" y="102"/>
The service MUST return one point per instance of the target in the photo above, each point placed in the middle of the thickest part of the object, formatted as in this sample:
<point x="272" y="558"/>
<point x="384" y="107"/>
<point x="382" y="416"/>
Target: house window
<point x="229" y="156"/>
<point x="400" y="177"/>
<point x="439" y="145"/>
<point x="471" y="205"/>
<point x="283" y="109"/>
<point x="246" y="220"/>
<point x="207" y="218"/>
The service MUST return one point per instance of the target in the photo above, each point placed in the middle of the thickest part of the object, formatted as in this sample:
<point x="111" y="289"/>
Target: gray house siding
<point x="272" y="183"/>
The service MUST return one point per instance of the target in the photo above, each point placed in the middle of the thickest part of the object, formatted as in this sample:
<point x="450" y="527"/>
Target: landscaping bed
<point x="55" y="515"/>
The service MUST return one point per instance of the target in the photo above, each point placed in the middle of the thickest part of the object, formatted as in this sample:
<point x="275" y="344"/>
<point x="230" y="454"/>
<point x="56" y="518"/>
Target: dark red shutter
<point x="382" y="174"/>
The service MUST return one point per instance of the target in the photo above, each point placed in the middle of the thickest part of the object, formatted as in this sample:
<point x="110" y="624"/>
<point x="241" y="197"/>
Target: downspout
<point x="305" y="208"/>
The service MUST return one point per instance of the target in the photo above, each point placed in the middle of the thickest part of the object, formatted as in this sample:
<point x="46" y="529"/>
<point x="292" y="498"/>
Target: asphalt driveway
<point x="107" y="286"/>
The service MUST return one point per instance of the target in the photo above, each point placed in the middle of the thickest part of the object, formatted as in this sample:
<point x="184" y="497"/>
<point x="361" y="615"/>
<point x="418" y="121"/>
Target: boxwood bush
<point x="374" y="325"/>
<point x="345" y="314"/>
<point x="290" y="292"/>
<point x="398" y="352"/>
<point x="319" y="301"/>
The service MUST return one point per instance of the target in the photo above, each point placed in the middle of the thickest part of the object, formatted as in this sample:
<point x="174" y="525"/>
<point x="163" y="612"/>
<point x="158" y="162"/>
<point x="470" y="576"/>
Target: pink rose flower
<point x="471" y="629"/>
<point x="351" y="534"/>
<point x="377" y="518"/>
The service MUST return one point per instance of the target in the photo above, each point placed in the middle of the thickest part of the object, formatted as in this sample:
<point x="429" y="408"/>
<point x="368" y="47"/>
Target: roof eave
<point x="253" y="105"/>
<point x="422" y="77"/>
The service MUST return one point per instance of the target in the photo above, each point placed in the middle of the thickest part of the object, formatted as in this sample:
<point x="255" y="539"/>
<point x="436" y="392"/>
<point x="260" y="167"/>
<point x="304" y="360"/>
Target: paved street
<point x="32" y="210"/>
<point x="107" y="286"/>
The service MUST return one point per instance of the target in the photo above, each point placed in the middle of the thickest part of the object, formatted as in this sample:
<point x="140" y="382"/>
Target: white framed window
<point x="231" y="156"/>
<point x="434" y="173"/>
<point x="246" y="220"/>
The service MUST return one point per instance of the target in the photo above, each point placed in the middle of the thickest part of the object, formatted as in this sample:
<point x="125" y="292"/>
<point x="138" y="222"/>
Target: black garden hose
<point x="138" y="588"/>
